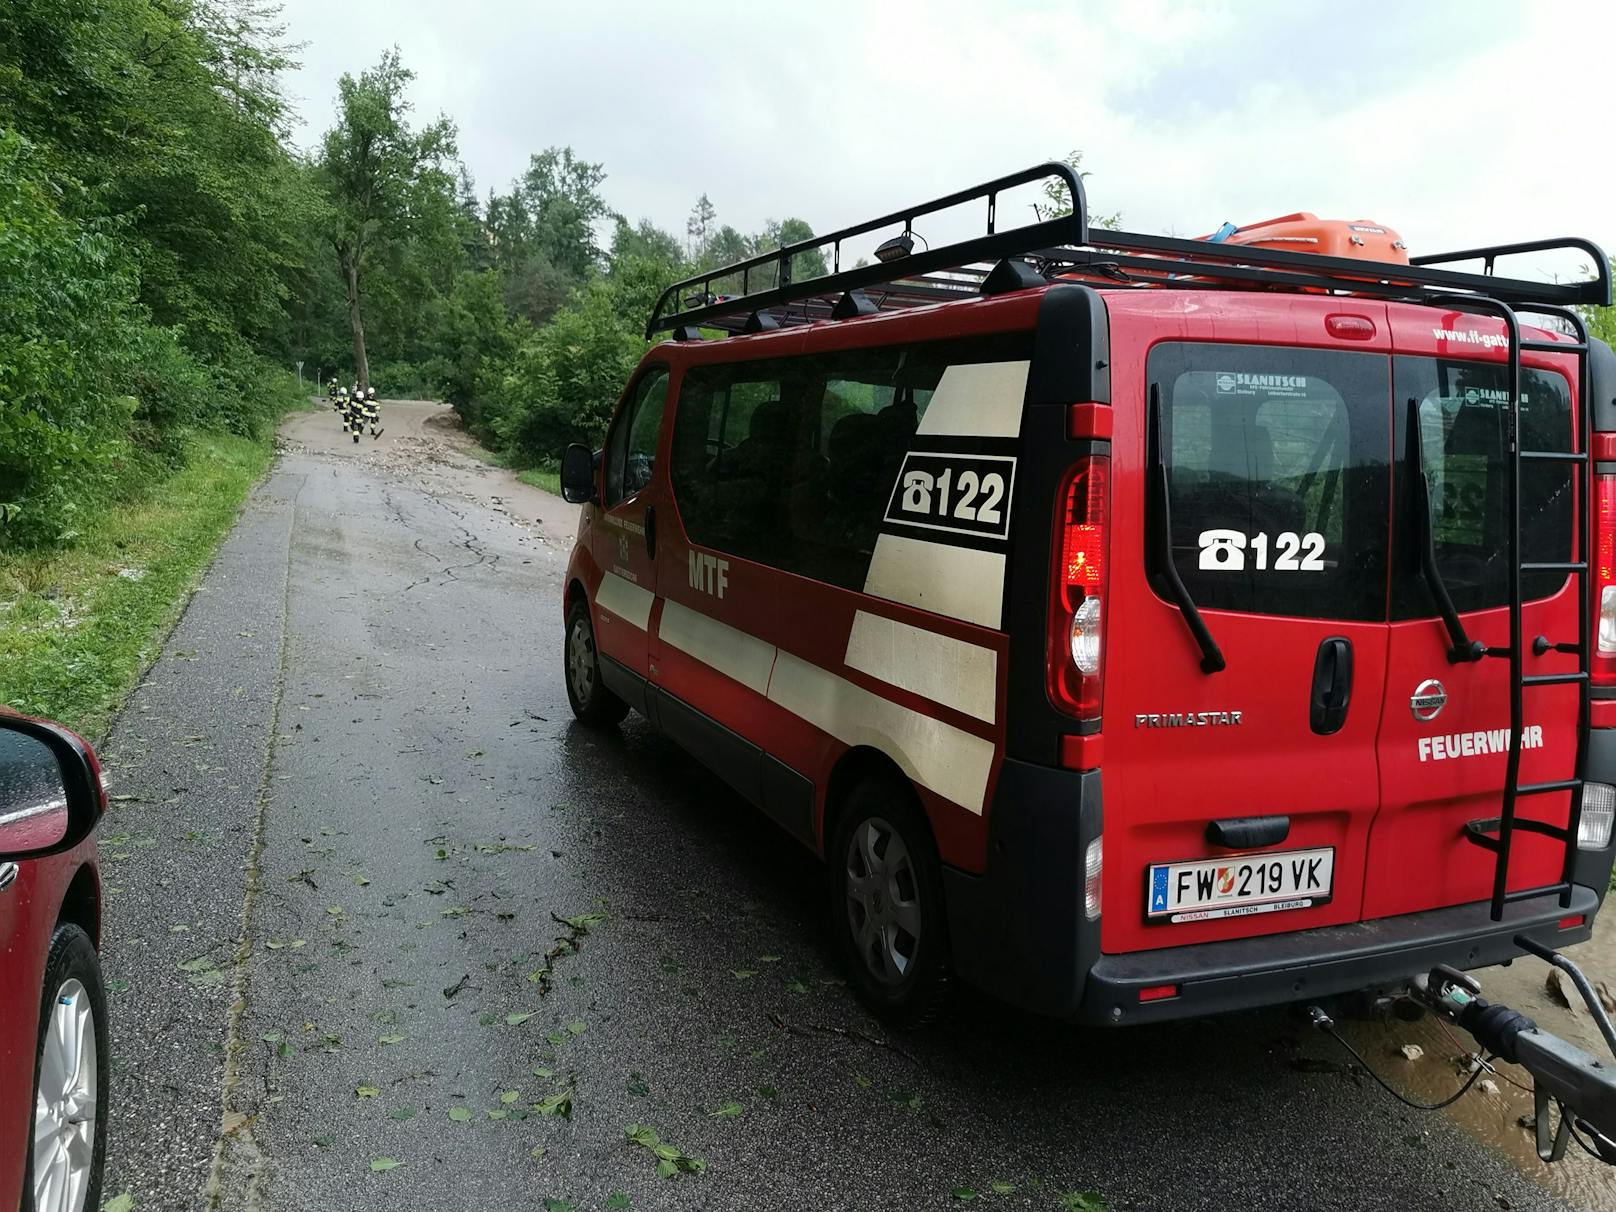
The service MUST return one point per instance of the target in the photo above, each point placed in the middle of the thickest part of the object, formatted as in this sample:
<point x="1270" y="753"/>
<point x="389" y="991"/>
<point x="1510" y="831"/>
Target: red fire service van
<point x="1139" y="627"/>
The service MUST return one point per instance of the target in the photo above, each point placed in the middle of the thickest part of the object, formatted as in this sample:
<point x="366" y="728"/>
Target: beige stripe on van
<point x="952" y="672"/>
<point x="978" y="400"/>
<point x="958" y="582"/>
<point x="733" y="653"/>
<point x="625" y="599"/>
<point x="948" y="760"/>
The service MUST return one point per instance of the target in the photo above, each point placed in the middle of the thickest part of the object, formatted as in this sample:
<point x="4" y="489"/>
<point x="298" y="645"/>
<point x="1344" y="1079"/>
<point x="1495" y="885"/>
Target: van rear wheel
<point x="887" y="908"/>
<point x="591" y="702"/>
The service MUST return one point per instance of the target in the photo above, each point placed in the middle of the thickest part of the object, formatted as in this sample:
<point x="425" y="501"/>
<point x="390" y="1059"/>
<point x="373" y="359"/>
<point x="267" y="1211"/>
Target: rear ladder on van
<point x="1497" y="834"/>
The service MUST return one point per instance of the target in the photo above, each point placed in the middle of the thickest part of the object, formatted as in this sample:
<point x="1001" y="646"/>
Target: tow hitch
<point x="1564" y="1077"/>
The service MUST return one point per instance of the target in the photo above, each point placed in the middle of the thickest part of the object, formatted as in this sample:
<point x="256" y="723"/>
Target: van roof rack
<point x="1065" y="247"/>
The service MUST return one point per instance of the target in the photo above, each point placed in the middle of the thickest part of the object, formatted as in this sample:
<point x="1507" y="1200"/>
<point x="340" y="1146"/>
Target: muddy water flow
<point x="1494" y="1109"/>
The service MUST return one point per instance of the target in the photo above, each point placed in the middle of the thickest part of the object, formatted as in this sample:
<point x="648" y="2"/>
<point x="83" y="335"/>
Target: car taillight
<point x="1075" y="647"/>
<point x="1604" y="668"/>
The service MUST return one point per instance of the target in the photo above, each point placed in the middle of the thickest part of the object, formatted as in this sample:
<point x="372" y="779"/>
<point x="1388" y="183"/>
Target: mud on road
<point x="386" y="929"/>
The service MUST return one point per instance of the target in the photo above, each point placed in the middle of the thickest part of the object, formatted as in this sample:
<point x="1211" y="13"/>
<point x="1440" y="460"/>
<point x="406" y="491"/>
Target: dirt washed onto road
<point x="387" y="930"/>
<point x="423" y="441"/>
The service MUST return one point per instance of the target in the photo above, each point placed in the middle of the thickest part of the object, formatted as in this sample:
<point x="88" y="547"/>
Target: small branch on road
<point x="451" y="990"/>
<point x="848" y="1033"/>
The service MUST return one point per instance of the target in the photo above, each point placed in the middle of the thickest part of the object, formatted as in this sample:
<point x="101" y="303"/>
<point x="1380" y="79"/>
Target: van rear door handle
<point x="1332" y="686"/>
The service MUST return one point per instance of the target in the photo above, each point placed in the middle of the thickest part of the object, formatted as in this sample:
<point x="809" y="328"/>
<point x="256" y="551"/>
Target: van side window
<point x="631" y="448"/>
<point x="1278" y="477"/>
<point x="790" y="462"/>
<point x="1461" y="407"/>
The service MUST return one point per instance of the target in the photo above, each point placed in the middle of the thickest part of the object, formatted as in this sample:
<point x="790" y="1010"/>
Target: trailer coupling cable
<point x="1318" y="1018"/>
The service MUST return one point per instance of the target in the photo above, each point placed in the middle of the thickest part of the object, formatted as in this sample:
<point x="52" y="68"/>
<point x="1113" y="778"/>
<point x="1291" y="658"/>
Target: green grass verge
<point x="77" y="626"/>
<point x="547" y="478"/>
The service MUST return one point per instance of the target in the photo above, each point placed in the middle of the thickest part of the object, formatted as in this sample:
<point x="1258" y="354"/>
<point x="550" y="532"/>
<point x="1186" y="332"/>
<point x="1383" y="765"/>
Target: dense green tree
<point x="382" y="180"/>
<point x="150" y="225"/>
<point x="698" y="229"/>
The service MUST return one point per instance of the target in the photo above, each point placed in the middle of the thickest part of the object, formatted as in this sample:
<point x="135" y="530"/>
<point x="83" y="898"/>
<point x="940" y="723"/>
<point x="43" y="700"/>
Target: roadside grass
<point x="79" y="625"/>
<point x="547" y="478"/>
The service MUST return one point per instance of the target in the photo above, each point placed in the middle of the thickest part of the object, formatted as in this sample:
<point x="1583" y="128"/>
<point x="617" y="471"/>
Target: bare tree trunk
<point x="350" y="274"/>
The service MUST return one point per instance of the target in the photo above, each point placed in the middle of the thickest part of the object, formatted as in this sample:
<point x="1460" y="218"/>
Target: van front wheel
<point x="591" y="702"/>
<point x="887" y="903"/>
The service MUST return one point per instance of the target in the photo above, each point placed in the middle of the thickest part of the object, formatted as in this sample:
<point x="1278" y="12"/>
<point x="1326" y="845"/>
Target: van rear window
<point x="1464" y="442"/>
<point x="1278" y="477"/>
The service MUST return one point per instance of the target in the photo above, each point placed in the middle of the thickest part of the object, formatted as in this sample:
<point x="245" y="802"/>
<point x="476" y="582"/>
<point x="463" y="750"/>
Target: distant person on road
<point x="372" y="413"/>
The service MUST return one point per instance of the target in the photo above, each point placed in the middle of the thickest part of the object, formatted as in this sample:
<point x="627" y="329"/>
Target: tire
<point x="592" y="703"/>
<point x="886" y="903"/>
<point x="73" y="996"/>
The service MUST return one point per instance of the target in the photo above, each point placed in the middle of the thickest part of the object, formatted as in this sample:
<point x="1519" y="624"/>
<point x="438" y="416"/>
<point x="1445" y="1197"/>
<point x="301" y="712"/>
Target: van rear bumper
<point x="1019" y="931"/>
<point x="1302" y="965"/>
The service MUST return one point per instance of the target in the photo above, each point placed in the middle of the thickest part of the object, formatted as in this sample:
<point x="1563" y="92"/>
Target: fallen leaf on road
<point x="518" y="1018"/>
<point x="459" y="1114"/>
<point x="394" y="1038"/>
<point x="385" y="1163"/>
<point x="402" y="1113"/>
<point x="729" y="1110"/>
<point x="559" y="1103"/>
<point x="366" y="1091"/>
<point x="119" y="1203"/>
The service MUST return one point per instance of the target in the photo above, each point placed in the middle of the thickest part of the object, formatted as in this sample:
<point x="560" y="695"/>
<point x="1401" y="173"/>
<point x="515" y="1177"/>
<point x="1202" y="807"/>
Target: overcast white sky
<point x="1455" y="123"/>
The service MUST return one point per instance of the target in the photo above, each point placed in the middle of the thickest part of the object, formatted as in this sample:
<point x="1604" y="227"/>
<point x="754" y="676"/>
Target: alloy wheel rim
<point x="65" y="1104"/>
<point x="581" y="660"/>
<point x="883" y="901"/>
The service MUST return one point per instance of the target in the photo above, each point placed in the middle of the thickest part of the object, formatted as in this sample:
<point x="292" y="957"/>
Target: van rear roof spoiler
<point x="1065" y="246"/>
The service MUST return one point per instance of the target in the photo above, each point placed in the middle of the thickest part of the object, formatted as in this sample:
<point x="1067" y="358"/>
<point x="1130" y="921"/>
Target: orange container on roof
<point x="1304" y="232"/>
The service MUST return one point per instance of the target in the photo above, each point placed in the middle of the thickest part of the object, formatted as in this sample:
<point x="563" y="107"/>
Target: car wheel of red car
<point x="69" y="1141"/>
<point x="591" y="701"/>
<point x="887" y="903"/>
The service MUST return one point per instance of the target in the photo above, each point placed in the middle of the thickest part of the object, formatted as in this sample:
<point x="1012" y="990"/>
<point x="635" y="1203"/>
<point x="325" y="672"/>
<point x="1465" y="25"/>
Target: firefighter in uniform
<point x="372" y="413"/>
<point x="354" y="422"/>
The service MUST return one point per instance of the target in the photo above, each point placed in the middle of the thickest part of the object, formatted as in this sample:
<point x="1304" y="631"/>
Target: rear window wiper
<point x="1461" y="646"/>
<point x="1159" y="539"/>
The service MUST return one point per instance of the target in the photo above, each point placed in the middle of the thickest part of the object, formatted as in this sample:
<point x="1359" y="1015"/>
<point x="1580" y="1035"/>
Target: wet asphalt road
<point x="353" y="806"/>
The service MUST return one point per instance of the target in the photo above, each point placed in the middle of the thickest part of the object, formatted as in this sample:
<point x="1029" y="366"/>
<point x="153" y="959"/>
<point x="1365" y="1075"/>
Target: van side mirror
<point x="577" y="474"/>
<point x="50" y="794"/>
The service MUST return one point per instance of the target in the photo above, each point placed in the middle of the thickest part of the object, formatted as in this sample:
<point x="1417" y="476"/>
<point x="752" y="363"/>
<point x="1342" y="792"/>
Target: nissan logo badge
<point x="1428" y="700"/>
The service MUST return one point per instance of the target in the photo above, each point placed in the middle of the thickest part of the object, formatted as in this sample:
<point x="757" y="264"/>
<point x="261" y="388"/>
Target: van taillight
<point x="1077" y="589"/>
<point x="1604" y="667"/>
